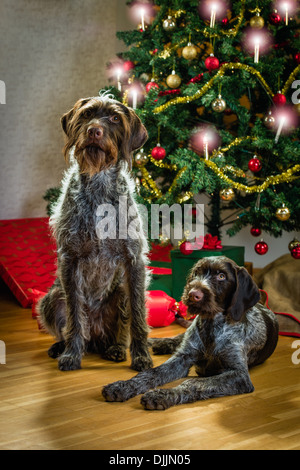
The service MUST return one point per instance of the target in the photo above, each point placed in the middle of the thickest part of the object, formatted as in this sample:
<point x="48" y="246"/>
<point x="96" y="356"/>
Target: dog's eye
<point x="114" y="118"/>
<point x="221" y="277"/>
<point x="87" y="113"/>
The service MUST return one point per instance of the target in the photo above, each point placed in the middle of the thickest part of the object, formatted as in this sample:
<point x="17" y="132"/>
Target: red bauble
<point x="274" y="18"/>
<point x="185" y="249"/>
<point x="261" y="248"/>
<point x="158" y="153"/>
<point x="128" y="65"/>
<point x="295" y="252"/>
<point x="150" y="85"/>
<point x="255" y="231"/>
<point x="297" y="57"/>
<point x="225" y="21"/>
<point x="279" y="99"/>
<point x="212" y="63"/>
<point x="255" y="164"/>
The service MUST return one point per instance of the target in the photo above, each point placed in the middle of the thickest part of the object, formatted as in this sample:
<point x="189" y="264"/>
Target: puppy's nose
<point x="196" y="295"/>
<point x="95" y="133"/>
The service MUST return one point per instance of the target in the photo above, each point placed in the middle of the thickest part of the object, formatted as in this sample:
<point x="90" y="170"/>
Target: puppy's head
<point x="217" y="284"/>
<point x="102" y="130"/>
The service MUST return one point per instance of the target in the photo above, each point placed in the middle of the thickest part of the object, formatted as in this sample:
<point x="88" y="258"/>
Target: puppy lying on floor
<point x="230" y="333"/>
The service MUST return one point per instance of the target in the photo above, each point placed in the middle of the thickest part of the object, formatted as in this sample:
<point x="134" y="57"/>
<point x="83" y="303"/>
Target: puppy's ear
<point x="245" y="296"/>
<point x="67" y="117"/>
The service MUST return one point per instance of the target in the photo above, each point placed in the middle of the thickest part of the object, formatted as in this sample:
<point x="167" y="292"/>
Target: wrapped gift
<point x="182" y="263"/>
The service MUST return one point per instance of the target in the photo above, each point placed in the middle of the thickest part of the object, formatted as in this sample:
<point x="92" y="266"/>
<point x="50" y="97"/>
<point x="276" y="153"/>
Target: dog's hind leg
<point x="52" y="314"/>
<point x="165" y="345"/>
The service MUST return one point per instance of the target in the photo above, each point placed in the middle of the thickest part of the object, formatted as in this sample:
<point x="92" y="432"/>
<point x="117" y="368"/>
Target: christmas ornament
<point x="255" y="231"/>
<point x="212" y="63"/>
<point x="275" y="18"/>
<point x="218" y="105"/>
<point x="297" y="57"/>
<point x="296" y="252"/>
<point x="158" y="153"/>
<point x="128" y="65"/>
<point x="227" y="194"/>
<point x="150" y="85"/>
<point x="185" y="248"/>
<point x="283" y="213"/>
<point x="257" y="21"/>
<point x="169" y="24"/>
<point x="293" y="244"/>
<point x="189" y="52"/>
<point x="255" y="164"/>
<point x="173" y="80"/>
<point x="225" y="21"/>
<point x="261" y="247"/>
<point x="140" y="158"/>
<point x="269" y="120"/>
<point x="279" y="99"/>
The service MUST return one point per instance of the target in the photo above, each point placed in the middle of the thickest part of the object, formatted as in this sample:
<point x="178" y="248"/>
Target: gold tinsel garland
<point x="208" y="85"/>
<point x="232" y="31"/>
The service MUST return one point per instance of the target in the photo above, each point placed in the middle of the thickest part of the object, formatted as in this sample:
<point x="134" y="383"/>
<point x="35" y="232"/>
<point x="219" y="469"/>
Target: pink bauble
<point x="212" y="63"/>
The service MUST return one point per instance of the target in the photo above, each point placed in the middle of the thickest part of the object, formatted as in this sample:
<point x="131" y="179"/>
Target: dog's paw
<point x="67" y="362"/>
<point x="56" y="349"/>
<point x="157" y="400"/>
<point x="115" y="353"/>
<point x="140" y="363"/>
<point x="163" y="346"/>
<point x="117" y="391"/>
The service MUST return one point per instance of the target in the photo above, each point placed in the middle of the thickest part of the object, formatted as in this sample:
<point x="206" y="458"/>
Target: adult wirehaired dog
<point x="230" y="333"/>
<point x="97" y="302"/>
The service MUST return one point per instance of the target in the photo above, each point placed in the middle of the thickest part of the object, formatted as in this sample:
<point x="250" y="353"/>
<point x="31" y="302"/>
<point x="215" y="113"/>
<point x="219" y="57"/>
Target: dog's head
<point x="102" y="130"/>
<point x="217" y="284"/>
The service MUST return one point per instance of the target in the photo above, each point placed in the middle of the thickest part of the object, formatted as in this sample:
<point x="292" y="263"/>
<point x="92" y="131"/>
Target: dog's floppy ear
<point x="245" y="296"/>
<point x="67" y="117"/>
<point x="138" y="132"/>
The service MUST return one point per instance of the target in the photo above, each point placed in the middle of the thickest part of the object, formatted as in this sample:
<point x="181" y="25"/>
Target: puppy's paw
<point x="157" y="400"/>
<point x="163" y="346"/>
<point x="115" y="353"/>
<point x="140" y="363"/>
<point x="117" y="391"/>
<point x="67" y="362"/>
<point x="56" y="349"/>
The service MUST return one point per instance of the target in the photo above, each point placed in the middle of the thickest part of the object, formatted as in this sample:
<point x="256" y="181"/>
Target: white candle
<point x="134" y="99"/>
<point x="256" y="52"/>
<point x="280" y="127"/>
<point x="286" y="14"/>
<point x="205" y="146"/>
<point x="213" y="16"/>
<point x="143" y="19"/>
<point x="119" y="80"/>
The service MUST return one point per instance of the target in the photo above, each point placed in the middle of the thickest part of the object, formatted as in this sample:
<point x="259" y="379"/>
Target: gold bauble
<point x="269" y="120"/>
<point x="189" y="52"/>
<point x="227" y="194"/>
<point x="169" y="24"/>
<point x="283" y="213"/>
<point x="173" y="80"/>
<point x="257" y="21"/>
<point x="293" y="244"/>
<point x="219" y="105"/>
<point x="140" y="159"/>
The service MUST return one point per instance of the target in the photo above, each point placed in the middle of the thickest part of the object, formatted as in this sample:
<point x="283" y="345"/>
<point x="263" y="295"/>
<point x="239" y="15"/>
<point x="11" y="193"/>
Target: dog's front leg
<point x="140" y="355"/>
<point x="74" y="330"/>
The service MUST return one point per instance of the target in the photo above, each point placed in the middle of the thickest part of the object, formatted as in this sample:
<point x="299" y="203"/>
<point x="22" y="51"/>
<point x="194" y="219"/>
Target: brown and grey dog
<point x="97" y="302"/>
<point x="230" y="333"/>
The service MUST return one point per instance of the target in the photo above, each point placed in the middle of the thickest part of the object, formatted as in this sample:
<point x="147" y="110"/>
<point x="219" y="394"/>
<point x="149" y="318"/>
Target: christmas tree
<point x="215" y="84"/>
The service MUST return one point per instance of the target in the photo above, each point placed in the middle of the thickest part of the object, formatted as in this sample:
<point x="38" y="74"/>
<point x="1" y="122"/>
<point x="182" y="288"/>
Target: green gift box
<point x="182" y="264"/>
<point x="161" y="281"/>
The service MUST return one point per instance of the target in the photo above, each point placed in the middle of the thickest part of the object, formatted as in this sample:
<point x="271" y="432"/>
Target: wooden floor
<point x="43" y="408"/>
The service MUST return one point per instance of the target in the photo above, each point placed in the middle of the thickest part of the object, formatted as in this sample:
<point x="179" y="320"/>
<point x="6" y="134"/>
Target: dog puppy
<point x="97" y="302"/>
<point x="230" y="333"/>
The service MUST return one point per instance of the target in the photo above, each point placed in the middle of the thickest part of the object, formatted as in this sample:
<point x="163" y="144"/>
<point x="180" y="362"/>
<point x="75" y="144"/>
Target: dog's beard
<point x="93" y="158"/>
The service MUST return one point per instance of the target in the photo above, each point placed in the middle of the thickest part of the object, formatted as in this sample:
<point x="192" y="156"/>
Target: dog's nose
<point x="95" y="133"/>
<point x="196" y="295"/>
